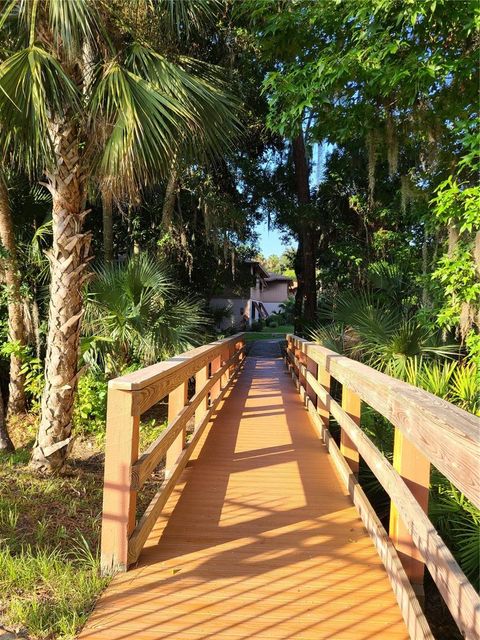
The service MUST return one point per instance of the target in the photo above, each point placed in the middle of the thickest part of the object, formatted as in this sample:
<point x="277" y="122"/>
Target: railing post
<point x="201" y="378"/>
<point x="232" y="350"/>
<point x="215" y="366"/>
<point x="289" y="350"/>
<point x="225" y="357"/>
<point x="119" y="501"/>
<point x="296" y="362"/>
<point x="323" y="411"/>
<point x="240" y="345"/>
<point x="311" y="368"/>
<point x="177" y="399"/>
<point x="352" y="405"/>
<point x="302" y="380"/>
<point x="414" y="468"/>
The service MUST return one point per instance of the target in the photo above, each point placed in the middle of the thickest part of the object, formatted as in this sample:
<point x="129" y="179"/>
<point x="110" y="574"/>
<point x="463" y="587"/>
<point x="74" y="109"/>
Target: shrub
<point x="257" y="325"/>
<point x="91" y="404"/>
<point x="133" y="314"/>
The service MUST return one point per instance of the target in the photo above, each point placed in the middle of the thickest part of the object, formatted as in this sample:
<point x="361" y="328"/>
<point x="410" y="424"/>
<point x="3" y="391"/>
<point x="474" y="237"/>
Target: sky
<point x="269" y="240"/>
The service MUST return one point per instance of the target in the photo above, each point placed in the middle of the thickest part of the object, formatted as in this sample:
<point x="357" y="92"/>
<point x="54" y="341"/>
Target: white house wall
<point x="238" y="306"/>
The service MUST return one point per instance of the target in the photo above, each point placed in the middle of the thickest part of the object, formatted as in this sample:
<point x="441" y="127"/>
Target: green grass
<point x="49" y="539"/>
<point x="50" y="535"/>
<point x="269" y="333"/>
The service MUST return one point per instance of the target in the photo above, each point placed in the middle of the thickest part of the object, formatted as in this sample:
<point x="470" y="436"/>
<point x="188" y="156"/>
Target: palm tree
<point x="91" y="104"/>
<point x="133" y="315"/>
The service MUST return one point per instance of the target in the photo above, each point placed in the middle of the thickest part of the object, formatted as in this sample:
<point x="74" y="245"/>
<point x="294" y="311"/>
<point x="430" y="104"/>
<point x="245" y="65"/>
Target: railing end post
<point x="110" y="566"/>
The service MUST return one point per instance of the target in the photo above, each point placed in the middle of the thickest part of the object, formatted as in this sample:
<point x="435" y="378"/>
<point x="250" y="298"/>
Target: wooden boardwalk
<point x="259" y="538"/>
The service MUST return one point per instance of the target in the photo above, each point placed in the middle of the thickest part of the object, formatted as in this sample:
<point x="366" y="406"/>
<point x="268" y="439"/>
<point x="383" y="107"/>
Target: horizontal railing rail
<point x="214" y="367"/>
<point x="428" y="431"/>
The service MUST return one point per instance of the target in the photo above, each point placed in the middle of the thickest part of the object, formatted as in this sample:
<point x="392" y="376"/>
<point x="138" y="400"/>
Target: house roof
<point x="267" y="276"/>
<point x="276" y="277"/>
<point x="262" y="271"/>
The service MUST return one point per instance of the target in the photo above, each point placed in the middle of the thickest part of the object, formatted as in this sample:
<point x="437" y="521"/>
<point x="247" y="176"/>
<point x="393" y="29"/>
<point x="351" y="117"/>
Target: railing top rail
<point x="149" y="375"/>
<point x="446" y="434"/>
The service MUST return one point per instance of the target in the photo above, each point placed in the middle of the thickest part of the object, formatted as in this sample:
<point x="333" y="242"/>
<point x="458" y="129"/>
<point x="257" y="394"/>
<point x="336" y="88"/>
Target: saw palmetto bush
<point x="384" y="335"/>
<point x="380" y="323"/>
<point x="134" y="316"/>
<point x="458" y="522"/>
<point x="93" y="97"/>
<point x="380" y="326"/>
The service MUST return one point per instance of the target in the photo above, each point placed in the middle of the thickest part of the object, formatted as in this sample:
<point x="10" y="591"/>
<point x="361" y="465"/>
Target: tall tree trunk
<point x="298" y="266"/>
<point x="68" y="261"/>
<point x="307" y="231"/>
<point x="16" y="326"/>
<point x="5" y="443"/>
<point x="310" y="276"/>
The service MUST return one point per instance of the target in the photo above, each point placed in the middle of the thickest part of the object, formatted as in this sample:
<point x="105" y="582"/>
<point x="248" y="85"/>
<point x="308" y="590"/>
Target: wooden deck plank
<point x="258" y="540"/>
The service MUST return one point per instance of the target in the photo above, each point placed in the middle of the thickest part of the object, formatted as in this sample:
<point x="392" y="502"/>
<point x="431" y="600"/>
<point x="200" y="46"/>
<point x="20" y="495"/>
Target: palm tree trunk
<point x="68" y="261"/>
<point x="16" y="327"/>
<point x="107" y="218"/>
<point x="5" y="443"/>
<point x="170" y="198"/>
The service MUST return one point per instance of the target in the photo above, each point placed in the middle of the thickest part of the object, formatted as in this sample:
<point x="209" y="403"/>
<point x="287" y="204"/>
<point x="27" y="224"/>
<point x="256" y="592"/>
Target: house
<point x="241" y="306"/>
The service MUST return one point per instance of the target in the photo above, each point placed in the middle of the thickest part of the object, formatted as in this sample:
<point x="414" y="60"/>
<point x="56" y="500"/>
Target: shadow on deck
<point x="259" y="538"/>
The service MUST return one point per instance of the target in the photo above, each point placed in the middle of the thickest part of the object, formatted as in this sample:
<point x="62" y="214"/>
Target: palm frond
<point x="133" y="316"/>
<point x="389" y="282"/>
<point x="141" y="127"/>
<point x="466" y="387"/>
<point x="458" y="522"/>
<point x="212" y="122"/>
<point x="34" y="91"/>
<point x="187" y="15"/>
<point x="331" y="336"/>
<point x="72" y="23"/>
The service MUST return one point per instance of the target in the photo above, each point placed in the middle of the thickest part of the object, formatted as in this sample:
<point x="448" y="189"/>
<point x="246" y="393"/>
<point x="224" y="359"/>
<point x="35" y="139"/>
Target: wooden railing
<point x="428" y="431"/>
<point x="213" y="368"/>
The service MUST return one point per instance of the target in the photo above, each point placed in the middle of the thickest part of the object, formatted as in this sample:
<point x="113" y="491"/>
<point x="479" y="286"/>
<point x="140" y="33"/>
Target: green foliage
<point x="219" y="314"/>
<point x="134" y="309"/>
<point x="287" y="310"/>
<point x="257" y="325"/>
<point x="472" y="342"/>
<point x="340" y="60"/>
<point x="457" y="274"/>
<point x="90" y="408"/>
<point x="466" y="387"/>
<point x="457" y="206"/>
<point x="380" y="327"/>
<point x="32" y="369"/>
<point x="458" y="522"/>
<point x="131" y="108"/>
<point x="382" y="330"/>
